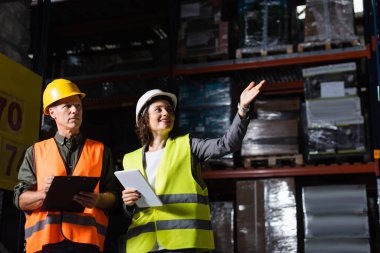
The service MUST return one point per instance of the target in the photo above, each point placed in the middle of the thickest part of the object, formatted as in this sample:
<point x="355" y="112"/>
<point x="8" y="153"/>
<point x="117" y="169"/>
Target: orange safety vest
<point x="44" y="227"/>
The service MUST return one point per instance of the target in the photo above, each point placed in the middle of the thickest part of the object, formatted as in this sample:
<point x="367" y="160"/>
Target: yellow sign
<point x="20" y="113"/>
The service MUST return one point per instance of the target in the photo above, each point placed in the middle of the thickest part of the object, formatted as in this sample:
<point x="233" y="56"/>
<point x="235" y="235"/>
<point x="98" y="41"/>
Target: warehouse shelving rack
<point x="366" y="52"/>
<point x="172" y="71"/>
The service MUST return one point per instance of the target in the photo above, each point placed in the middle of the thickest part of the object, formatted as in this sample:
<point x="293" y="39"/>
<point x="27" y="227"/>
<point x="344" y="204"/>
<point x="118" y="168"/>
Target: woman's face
<point x="161" y="117"/>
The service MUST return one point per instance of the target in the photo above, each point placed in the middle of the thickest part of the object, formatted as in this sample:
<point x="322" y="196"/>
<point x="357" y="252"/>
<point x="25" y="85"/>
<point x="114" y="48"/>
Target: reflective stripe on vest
<point x="40" y="225"/>
<point x="185" y="204"/>
<point x="169" y="224"/>
<point x="183" y="198"/>
<point x="89" y="227"/>
<point x="179" y="198"/>
<point x="66" y="217"/>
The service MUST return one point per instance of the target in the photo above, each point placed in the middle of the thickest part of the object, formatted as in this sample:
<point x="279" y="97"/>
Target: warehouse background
<point x="312" y="140"/>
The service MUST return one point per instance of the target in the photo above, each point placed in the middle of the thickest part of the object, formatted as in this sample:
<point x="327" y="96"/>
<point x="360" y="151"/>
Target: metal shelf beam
<point x="274" y="61"/>
<point x="371" y="167"/>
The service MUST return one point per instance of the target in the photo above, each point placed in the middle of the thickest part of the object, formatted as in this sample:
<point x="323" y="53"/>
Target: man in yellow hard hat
<point x="69" y="153"/>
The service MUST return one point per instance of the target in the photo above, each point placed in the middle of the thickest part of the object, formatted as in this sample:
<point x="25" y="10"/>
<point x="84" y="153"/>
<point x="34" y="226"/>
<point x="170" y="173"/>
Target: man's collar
<point x="79" y="138"/>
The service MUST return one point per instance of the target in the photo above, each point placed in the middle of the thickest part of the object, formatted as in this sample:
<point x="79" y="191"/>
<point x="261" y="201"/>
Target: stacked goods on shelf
<point x="283" y="74"/>
<point x="222" y="219"/>
<point x="272" y="137"/>
<point x="263" y="26"/>
<point x="334" y="123"/>
<point x="94" y="59"/>
<point x="202" y="34"/>
<point x="329" y="22"/>
<point x="205" y="109"/>
<point x="266" y="215"/>
<point x="338" y="80"/>
<point x="14" y="32"/>
<point x="119" y="92"/>
<point x="335" y="219"/>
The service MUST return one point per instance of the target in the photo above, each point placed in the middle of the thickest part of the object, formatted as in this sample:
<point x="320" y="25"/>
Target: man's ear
<point x="52" y="112"/>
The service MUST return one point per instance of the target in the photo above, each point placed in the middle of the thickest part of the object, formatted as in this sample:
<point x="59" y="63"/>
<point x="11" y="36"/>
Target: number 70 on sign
<point x="11" y="151"/>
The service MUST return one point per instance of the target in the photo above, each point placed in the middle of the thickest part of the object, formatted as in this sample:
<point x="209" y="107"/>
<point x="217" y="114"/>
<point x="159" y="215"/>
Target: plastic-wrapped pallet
<point x="333" y="111"/>
<point x="329" y="20"/>
<point x="328" y="81"/>
<point x="202" y="31"/>
<point x="263" y="24"/>
<point x="266" y="216"/>
<point x="335" y="126"/>
<point x="210" y="123"/>
<point x="222" y="219"/>
<point x="277" y="109"/>
<point x="205" y="106"/>
<point x="271" y="137"/>
<point x="335" y="219"/>
<point x="205" y="109"/>
<point x="87" y="61"/>
<point x="333" y="122"/>
<point x="274" y="129"/>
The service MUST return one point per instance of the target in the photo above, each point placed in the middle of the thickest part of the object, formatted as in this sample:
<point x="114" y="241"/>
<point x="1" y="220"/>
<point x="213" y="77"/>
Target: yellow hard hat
<point x="58" y="89"/>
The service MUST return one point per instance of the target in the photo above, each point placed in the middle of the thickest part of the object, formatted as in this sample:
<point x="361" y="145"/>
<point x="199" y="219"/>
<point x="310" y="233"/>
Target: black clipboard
<point x="62" y="190"/>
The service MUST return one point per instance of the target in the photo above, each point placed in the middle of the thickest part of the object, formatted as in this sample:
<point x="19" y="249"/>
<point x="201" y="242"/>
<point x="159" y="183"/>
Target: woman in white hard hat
<point x="172" y="167"/>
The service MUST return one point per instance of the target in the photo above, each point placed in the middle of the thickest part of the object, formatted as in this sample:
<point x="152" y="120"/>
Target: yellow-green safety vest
<point x="184" y="219"/>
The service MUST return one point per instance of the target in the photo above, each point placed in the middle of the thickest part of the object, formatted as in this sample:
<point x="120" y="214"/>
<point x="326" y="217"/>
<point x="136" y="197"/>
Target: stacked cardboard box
<point x="334" y="123"/>
<point x="202" y="31"/>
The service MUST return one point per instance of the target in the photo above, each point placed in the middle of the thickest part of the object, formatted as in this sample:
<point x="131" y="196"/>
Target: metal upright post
<point x="370" y="14"/>
<point x="373" y="69"/>
<point x="41" y="28"/>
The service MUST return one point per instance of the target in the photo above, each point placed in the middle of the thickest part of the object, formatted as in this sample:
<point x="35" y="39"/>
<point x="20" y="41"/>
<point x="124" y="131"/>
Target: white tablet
<point x="134" y="179"/>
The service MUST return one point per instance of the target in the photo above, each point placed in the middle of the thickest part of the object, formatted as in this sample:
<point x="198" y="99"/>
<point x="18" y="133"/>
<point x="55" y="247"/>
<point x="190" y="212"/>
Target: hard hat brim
<point x="81" y="94"/>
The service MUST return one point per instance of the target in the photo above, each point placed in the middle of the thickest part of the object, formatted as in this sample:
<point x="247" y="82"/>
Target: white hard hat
<point x="144" y="99"/>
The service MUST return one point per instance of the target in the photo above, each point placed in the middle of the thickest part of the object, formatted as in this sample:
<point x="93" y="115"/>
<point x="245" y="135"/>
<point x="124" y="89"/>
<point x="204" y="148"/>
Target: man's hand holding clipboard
<point x="61" y="192"/>
<point x="134" y="179"/>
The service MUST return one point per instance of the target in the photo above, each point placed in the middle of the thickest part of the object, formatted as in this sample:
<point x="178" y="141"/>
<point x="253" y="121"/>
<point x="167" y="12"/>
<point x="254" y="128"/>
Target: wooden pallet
<point x="214" y="164"/>
<point x="326" y="45"/>
<point x="249" y="52"/>
<point x="338" y="159"/>
<point x="273" y="161"/>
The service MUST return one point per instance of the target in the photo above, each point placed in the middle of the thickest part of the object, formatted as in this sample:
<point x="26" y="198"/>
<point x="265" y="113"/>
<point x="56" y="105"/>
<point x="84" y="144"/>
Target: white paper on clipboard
<point x="134" y="179"/>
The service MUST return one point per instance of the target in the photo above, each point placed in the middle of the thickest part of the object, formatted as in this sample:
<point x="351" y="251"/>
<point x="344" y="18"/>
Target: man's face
<point x="67" y="113"/>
